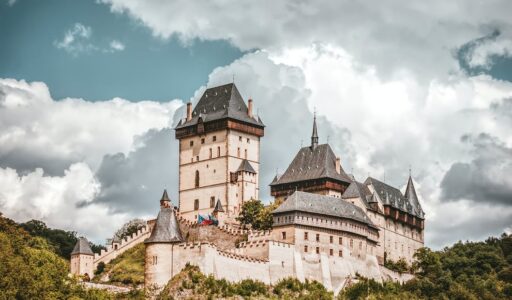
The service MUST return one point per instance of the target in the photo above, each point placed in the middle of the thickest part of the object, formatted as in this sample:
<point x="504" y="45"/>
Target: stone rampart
<point x="117" y="249"/>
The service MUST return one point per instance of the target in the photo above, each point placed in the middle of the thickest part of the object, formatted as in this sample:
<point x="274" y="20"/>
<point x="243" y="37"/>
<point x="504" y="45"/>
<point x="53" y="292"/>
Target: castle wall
<point x="117" y="249"/>
<point x="282" y="260"/>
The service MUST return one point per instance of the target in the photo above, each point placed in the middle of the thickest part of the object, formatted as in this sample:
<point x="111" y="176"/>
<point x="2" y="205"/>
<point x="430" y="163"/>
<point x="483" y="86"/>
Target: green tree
<point x="255" y="214"/>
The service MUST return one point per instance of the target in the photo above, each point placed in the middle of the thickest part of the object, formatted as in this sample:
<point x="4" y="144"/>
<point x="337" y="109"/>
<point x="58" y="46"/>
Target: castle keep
<point x="219" y="154"/>
<point x="328" y="226"/>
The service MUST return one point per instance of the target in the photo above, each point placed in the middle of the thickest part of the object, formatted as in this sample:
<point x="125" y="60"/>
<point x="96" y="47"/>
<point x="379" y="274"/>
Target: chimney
<point x="338" y="165"/>
<point x="189" y="111"/>
<point x="249" y="110"/>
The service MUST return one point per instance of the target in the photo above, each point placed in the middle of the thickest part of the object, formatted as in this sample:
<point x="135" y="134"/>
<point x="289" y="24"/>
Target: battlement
<point x="257" y="235"/>
<point x="116" y="249"/>
<point x="249" y="244"/>
<point x="241" y="257"/>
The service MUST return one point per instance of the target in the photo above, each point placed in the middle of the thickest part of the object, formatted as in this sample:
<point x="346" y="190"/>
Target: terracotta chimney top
<point x="249" y="110"/>
<point x="338" y="165"/>
<point x="189" y="111"/>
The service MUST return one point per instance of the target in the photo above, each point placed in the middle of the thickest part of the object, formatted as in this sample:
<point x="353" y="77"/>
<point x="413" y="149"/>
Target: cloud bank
<point x="385" y="80"/>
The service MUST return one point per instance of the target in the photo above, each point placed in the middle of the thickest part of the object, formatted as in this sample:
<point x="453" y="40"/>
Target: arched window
<point x="245" y="154"/>
<point x="238" y="153"/>
<point x="197" y="178"/>
<point x="210" y="152"/>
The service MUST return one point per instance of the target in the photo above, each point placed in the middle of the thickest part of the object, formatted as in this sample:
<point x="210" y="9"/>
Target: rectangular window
<point x="330" y="239"/>
<point x="214" y="138"/>
<point x="341" y="241"/>
<point x="306" y="235"/>
<point x="318" y="237"/>
<point x="340" y="253"/>
<point x="317" y="250"/>
<point x="283" y="235"/>
<point x="331" y="252"/>
<point x="155" y="260"/>
<point x="202" y="141"/>
<point x="218" y="151"/>
<point x="306" y="249"/>
<point x="212" y="202"/>
<point x="196" y="204"/>
<point x="191" y="143"/>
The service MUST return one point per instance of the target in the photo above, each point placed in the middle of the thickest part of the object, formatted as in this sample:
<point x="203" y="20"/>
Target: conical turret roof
<point x="82" y="247"/>
<point x="412" y="197"/>
<point x="165" y="197"/>
<point x="166" y="228"/>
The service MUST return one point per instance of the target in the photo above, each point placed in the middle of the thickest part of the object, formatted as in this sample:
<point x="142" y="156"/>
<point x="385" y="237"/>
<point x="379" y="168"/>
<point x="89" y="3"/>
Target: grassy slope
<point x="127" y="268"/>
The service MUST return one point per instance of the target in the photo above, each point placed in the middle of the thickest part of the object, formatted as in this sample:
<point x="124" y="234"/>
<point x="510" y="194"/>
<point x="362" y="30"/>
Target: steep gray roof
<point x="221" y="102"/>
<point x="392" y="196"/>
<point x="218" y="207"/>
<point x="82" y="247"/>
<point x="246" y="166"/>
<point x="412" y="198"/>
<point x="357" y="190"/>
<point x="313" y="163"/>
<point x="166" y="228"/>
<point x="165" y="197"/>
<point x="323" y="205"/>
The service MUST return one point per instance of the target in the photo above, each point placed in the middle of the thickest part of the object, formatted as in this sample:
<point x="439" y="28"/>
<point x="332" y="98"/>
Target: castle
<point x="328" y="227"/>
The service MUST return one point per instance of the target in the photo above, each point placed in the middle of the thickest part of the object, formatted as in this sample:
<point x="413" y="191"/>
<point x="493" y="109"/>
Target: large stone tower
<point x="219" y="153"/>
<point x="82" y="259"/>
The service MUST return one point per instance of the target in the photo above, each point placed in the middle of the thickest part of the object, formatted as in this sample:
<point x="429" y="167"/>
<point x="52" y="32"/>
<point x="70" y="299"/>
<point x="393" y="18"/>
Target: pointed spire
<point x="167" y="229"/>
<point x="410" y="192"/>
<point x="314" y="136"/>
<point x="165" y="201"/>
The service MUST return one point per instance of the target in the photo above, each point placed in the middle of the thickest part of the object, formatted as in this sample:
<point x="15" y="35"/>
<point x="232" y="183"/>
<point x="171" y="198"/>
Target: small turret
<point x="160" y="264"/>
<point x="165" y="201"/>
<point x="82" y="259"/>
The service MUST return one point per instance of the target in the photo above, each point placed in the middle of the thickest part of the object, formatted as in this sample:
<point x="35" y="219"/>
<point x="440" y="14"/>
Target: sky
<point x="90" y="92"/>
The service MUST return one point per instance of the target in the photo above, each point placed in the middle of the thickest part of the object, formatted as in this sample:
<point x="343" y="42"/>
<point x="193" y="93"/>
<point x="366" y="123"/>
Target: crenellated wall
<point x="117" y="249"/>
<point x="267" y="261"/>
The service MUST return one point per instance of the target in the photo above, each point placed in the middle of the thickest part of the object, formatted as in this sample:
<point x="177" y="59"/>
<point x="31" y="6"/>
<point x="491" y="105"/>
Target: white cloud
<point x="116" y="45"/>
<point x="77" y="40"/>
<point x="390" y="35"/>
<point x="54" y="199"/>
<point x="483" y="54"/>
<point x="37" y="131"/>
